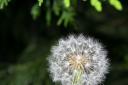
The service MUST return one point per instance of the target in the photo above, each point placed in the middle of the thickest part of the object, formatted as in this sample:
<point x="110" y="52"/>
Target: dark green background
<point x="25" y="43"/>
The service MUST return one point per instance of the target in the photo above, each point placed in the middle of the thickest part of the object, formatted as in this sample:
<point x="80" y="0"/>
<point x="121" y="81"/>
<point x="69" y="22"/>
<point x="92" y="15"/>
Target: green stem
<point x="77" y="77"/>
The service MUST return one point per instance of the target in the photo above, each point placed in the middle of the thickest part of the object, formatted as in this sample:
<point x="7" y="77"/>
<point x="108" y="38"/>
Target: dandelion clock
<point x="78" y="60"/>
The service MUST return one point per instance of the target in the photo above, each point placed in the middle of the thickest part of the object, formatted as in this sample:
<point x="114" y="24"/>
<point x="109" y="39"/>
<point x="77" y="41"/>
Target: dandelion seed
<point x="78" y="60"/>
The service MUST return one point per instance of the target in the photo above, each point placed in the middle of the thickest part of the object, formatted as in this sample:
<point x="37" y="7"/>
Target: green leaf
<point x="3" y="3"/>
<point x="35" y="11"/>
<point x="96" y="4"/>
<point x="92" y="2"/>
<point x="66" y="17"/>
<point x="116" y="4"/>
<point x="56" y="8"/>
<point x="40" y="2"/>
<point x="67" y="3"/>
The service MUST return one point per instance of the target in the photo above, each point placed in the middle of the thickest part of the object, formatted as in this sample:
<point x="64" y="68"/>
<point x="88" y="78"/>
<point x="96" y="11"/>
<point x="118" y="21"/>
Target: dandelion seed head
<point x="78" y="53"/>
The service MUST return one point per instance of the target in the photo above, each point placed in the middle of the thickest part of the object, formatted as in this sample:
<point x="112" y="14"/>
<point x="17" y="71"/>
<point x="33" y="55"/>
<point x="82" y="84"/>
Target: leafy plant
<point x="40" y="2"/>
<point x="116" y="4"/>
<point x="97" y="4"/>
<point x="35" y="11"/>
<point x="60" y="7"/>
<point x="4" y="3"/>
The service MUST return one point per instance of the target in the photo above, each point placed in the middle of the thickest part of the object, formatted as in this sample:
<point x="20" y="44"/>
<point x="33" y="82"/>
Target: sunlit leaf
<point x="3" y="3"/>
<point x="67" y="3"/>
<point x="96" y="4"/>
<point x="117" y="4"/>
<point x="40" y="2"/>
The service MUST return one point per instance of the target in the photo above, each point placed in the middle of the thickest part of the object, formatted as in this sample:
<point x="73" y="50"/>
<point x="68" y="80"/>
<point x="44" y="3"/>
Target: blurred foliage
<point x="29" y="28"/>
<point x="40" y="2"/>
<point x="116" y="4"/>
<point x="61" y="6"/>
<point x="97" y="4"/>
<point x="66" y="17"/>
<point x="67" y="3"/>
<point x="3" y="3"/>
<point x="35" y="11"/>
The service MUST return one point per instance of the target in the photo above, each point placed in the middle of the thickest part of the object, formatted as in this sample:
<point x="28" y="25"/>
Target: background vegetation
<point x="28" y="29"/>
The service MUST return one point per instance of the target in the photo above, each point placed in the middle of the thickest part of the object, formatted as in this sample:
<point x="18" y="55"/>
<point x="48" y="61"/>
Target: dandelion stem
<point x="77" y="77"/>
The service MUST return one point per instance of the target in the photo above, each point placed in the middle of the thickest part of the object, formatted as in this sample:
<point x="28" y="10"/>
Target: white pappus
<point x="78" y="60"/>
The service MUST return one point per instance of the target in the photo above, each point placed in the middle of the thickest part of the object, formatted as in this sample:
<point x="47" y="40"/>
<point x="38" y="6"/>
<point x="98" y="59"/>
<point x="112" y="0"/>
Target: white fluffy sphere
<point x="78" y="53"/>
